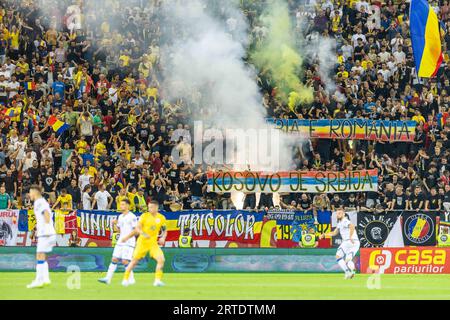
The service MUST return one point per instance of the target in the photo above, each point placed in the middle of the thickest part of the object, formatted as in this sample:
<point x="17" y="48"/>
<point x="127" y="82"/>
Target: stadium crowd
<point x="101" y="75"/>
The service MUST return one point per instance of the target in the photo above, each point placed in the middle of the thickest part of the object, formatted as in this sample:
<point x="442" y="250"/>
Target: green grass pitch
<point x="230" y="286"/>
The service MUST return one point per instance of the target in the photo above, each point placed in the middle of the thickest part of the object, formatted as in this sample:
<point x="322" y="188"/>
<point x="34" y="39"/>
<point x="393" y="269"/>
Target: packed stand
<point x="103" y="82"/>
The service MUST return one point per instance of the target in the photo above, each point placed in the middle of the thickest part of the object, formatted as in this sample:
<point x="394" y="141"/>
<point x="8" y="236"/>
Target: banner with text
<point x="408" y="260"/>
<point x="361" y="129"/>
<point x="206" y="226"/>
<point x="373" y="229"/>
<point x="291" y="225"/>
<point x="293" y="181"/>
<point x="419" y="228"/>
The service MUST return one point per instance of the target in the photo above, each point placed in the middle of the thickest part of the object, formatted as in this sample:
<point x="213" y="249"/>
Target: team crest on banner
<point x="419" y="228"/>
<point x="291" y="225"/>
<point x="374" y="229"/>
<point x="444" y="222"/>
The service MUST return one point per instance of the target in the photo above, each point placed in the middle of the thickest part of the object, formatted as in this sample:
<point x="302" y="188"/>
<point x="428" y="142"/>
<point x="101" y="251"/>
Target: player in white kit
<point x="350" y="243"/>
<point x="46" y="236"/>
<point x="123" y="251"/>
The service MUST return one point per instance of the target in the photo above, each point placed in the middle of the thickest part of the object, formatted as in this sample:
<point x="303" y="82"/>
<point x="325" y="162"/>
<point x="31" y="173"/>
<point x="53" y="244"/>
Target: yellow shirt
<point x="99" y="149"/>
<point x="335" y="23"/>
<point x="152" y="92"/>
<point x="151" y="226"/>
<point x="366" y="63"/>
<point x="131" y="119"/>
<point x="344" y="74"/>
<point x="14" y="39"/>
<point x="92" y="171"/>
<point x="81" y="146"/>
<point x="127" y="153"/>
<point x="65" y="201"/>
<point x="125" y="59"/>
<point x="24" y="67"/>
<point x="418" y="119"/>
<point x="120" y="198"/>
<point x="131" y="197"/>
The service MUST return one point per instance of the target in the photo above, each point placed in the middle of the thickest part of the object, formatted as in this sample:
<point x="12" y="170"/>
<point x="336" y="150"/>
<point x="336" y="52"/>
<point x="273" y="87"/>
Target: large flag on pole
<point x="426" y="38"/>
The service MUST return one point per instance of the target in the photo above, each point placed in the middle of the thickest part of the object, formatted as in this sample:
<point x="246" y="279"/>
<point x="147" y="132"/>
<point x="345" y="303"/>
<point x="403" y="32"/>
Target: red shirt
<point x="108" y="121"/>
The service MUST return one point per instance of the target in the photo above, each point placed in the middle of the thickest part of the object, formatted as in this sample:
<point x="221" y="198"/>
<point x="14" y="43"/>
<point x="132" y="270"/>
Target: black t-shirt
<point x="132" y="176"/>
<point x="415" y="200"/>
<point x="335" y="203"/>
<point x="153" y="136"/>
<point x="35" y="174"/>
<point x="389" y="195"/>
<point x="48" y="182"/>
<point x="108" y="168"/>
<point x="446" y="197"/>
<point x="143" y="134"/>
<point x="9" y="183"/>
<point x="159" y="194"/>
<point x="431" y="180"/>
<point x="173" y="175"/>
<point x="399" y="201"/>
<point x="433" y="202"/>
<point x="351" y="204"/>
<point x="196" y="187"/>
<point x="183" y="186"/>
<point x="75" y="193"/>
<point x="304" y="204"/>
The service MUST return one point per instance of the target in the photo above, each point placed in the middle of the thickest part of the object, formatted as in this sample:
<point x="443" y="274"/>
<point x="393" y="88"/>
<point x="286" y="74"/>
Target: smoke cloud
<point x="203" y="64"/>
<point x="278" y="56"/>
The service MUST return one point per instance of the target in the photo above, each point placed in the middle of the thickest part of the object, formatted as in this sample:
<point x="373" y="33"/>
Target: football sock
<point x="46" y="275"/>
<point x="111" y="269"/>
<point x="351" y="265"/>
<point x="40" y="270"/>
<point x="342" y="264"/>
<point x="131" y="276"/>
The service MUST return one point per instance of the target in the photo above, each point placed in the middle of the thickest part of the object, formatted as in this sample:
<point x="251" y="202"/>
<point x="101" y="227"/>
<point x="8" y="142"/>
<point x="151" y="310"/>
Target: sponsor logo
<point x="405" y="260"/>
<point x="380" y="260"/>
<point x="418" y="228"/>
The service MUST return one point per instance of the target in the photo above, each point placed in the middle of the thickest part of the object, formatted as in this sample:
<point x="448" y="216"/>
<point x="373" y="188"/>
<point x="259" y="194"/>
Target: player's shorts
<point x="123" y="252"/>
<point x="142" y="249"/>
<point x="45" y="244"/>
<point x="347" y="248"/>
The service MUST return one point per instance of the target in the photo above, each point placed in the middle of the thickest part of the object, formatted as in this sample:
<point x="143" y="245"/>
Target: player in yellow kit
<point x="148" y="228"/>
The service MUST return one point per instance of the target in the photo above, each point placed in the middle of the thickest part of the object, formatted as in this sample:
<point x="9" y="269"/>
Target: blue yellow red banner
<point x="349" y="129"/>
<point x="293" y="181"/>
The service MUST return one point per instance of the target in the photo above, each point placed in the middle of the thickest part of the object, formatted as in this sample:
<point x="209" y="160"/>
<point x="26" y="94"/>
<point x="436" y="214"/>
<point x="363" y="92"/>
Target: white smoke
<point x="316" y="48"/>
<point x="203" y="64"/>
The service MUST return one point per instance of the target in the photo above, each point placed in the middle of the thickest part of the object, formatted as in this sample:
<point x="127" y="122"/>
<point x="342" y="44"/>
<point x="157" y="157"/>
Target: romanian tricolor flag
<point x="9" y="112"/>
<point x="58" y="126"/>
<point x="426" y="38"/>
<point x="30" y="85"/>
